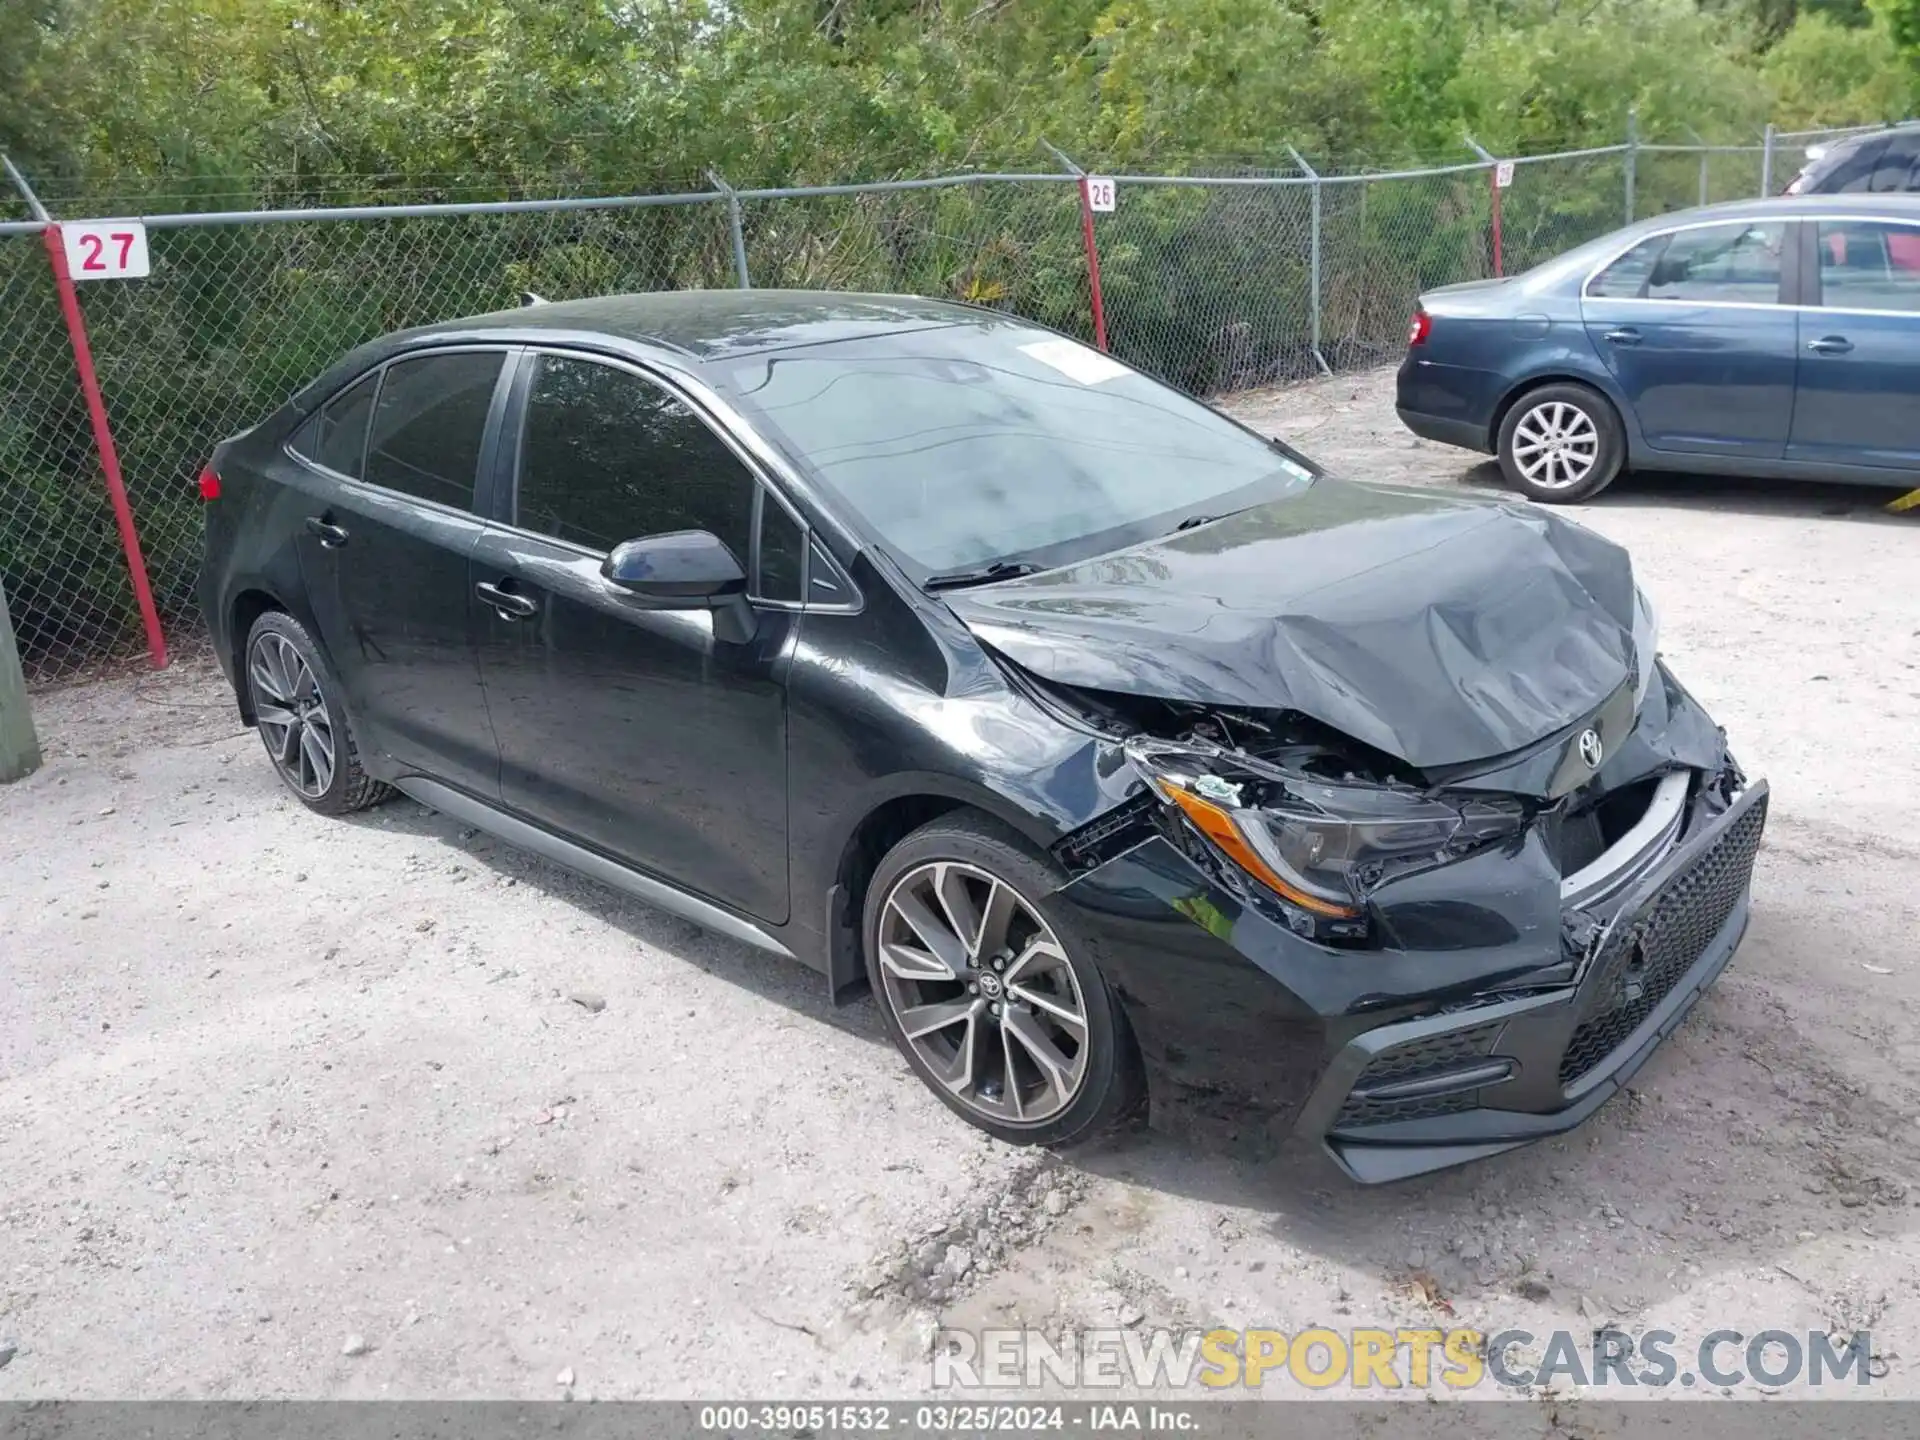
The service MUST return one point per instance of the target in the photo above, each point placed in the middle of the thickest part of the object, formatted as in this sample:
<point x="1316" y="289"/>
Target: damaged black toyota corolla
<point x="1123" y="754"/>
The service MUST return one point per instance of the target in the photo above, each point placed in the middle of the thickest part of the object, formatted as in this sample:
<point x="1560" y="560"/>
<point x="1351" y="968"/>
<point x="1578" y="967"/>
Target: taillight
<point x="209" y="484"/>
<point x="1420" y="329"/>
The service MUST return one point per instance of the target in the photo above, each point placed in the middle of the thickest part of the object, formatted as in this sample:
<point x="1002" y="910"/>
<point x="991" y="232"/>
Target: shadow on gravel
<point x="1740" y="1142"/>
<point x="1809" y="498"/>
<point x="1648" y="489"/>
<point x="659" y="937"/>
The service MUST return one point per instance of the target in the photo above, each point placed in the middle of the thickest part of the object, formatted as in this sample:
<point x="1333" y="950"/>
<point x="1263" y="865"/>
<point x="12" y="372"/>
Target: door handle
<point x="1830" y="345"/>
<point x="1625" y="335"/>
<point x="330" y="535"/>
<point x="508" y="605"/>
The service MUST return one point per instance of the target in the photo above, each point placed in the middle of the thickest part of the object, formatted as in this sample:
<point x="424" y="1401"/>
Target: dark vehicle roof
<point x="717" y="324"/>
<point x="700" y="325"/>
<point x="1852" y="142"/>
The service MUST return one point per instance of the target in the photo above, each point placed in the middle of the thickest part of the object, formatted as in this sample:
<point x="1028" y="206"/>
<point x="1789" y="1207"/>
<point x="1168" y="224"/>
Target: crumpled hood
<point x="1440" y="629"/>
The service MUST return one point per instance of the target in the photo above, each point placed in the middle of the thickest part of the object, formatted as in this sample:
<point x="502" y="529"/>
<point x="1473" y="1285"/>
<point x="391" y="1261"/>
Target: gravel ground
<point x="380" y="1108"/>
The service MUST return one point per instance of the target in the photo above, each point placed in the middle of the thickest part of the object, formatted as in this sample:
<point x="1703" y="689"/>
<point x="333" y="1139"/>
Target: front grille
<point x="1444" y="1051"/>
<point x="1415" y="1107"/>
<point x="1644" y="961"/>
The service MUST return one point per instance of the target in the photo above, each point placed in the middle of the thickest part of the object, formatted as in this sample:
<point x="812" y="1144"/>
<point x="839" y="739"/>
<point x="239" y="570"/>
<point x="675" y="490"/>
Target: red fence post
<point x="103" y="440"/>
<point x="1493" y="178"/>
<point x="1093" y="266"/>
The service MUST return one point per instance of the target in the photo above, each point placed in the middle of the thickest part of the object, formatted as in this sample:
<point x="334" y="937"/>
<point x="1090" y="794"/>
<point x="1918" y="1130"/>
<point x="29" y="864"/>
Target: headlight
<point x="1318" y="845"/>
<point x="1646" y="645"/>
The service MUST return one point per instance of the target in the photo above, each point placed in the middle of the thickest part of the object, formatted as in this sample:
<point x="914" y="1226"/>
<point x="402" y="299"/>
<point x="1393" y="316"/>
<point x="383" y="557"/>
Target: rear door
<point x="394" y="463"/>
<point x="655" y="736"/>
<point x="1859" y="394"/>
<point x="1691" y="325"/>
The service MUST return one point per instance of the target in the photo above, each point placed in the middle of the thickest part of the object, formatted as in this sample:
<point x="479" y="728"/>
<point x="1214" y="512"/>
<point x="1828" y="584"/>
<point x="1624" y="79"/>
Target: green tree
<point x="1902" y="21"/>
<point x="1823" y="73"/>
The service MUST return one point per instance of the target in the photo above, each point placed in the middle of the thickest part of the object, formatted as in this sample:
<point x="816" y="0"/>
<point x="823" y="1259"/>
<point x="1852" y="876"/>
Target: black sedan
<point x="1773" y="338"/>
<point x="1118" y="750"/>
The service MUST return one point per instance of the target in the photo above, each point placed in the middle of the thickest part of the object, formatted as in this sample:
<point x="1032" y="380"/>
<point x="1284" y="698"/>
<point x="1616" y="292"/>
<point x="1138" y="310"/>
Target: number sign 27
<point x="106" y="249"/>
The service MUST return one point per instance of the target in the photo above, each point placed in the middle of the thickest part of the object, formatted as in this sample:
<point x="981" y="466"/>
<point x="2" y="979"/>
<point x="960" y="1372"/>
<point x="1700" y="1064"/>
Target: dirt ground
<point x="274" y="1088"/>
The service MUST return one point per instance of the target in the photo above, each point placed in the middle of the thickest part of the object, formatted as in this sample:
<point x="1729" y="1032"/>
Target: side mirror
<point x="683" y="570"/>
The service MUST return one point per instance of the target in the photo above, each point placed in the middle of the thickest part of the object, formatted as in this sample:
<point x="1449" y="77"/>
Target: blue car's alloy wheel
<point x="1560" y="444"/>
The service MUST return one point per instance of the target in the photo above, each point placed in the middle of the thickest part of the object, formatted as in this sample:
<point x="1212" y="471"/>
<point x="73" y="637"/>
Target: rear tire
<point x="987" y="985"/>
<point x="1561" y="444"/>
<point x="297" y="709"/>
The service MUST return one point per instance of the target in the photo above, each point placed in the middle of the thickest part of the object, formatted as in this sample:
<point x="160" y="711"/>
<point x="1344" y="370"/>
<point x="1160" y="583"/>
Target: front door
<point x="656" y="736"/>
<point x="1859" y="396"/>
<point x="392" y="466"/>
<point x="1691" y="325"/>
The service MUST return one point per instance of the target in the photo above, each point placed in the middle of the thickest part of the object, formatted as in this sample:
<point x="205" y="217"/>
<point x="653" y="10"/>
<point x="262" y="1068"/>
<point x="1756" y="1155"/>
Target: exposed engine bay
<point x="1309" y="824"/>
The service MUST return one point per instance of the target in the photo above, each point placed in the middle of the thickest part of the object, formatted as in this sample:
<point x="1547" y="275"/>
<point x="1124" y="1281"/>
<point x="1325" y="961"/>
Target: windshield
<point x="965" y="445"/>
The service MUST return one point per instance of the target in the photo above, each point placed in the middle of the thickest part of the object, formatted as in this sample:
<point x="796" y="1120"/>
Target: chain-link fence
<point x="1220" y="280"/>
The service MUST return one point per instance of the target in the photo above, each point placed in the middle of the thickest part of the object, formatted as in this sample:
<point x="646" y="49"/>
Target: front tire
<point x="987" y="985"/>
<point x="1561" y="444"/>
<point x="296" y="707"/>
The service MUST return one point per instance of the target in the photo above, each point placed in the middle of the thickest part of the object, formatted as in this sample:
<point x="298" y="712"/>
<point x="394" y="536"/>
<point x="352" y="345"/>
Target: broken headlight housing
<point x="1317" y="846"/>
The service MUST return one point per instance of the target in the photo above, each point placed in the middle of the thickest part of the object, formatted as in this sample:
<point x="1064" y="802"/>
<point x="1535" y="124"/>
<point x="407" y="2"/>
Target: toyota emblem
<point x="1591" y="749"/>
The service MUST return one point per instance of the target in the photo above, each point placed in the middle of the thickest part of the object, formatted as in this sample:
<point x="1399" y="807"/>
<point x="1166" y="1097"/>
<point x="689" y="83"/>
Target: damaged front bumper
<point x="1503" y="1003"/>
<point x="1481" y="1078"/>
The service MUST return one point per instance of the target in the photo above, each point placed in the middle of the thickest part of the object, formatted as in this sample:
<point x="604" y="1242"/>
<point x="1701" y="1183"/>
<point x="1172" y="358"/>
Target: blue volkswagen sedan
<point x="1773" y="338"/>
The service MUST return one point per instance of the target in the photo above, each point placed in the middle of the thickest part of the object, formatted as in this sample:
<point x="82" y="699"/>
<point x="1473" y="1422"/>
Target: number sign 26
<point x="1100" y="192"/>
<point x="106" y="249"/>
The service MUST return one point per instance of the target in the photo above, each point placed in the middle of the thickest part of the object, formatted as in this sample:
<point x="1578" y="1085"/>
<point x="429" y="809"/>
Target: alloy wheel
<point x="1556" y="445"/>
<point x="292" y="714"/>
<point x="983" y="991"/>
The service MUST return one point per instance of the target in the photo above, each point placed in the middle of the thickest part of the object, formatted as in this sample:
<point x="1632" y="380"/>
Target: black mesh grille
<point x="1406" y="1062"/>
<point x="1643" y="962"/>
<point x="1418" y="1107"/>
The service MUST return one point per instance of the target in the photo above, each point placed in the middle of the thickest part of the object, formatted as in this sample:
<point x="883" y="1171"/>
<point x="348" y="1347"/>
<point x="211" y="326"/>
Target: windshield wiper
<point x="1194" y="522"/>
<point x="999" y="570"/>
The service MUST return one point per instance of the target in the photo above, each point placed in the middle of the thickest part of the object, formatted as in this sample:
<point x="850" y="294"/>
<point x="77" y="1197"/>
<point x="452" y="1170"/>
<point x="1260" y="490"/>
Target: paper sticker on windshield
<point x="1076" y="362"/>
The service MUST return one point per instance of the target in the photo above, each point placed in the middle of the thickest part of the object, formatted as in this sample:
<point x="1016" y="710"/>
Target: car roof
<point x="1848" y="142"/>
<point x="1897" y="205"/>
<point x="717" y="324"/>
<point x="696" y="326"/>
<point x="1778" y="207"/>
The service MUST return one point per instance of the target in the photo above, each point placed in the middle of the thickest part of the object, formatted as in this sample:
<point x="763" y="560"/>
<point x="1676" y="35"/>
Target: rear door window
<point x="1626" y="278"/>
<point x="1726" y="264"/>
<point x="429" y="423"/>
<point x="1869" y="265"/>
<point x="337" y="436"/>
<point x="1737" y="263"/>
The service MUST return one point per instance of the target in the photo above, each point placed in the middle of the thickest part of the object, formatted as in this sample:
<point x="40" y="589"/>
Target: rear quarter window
<point x="336" y="436"/>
